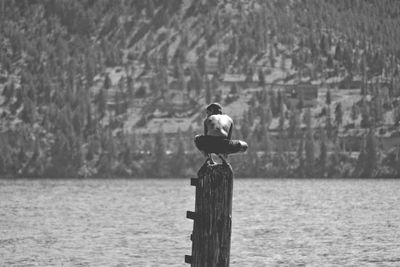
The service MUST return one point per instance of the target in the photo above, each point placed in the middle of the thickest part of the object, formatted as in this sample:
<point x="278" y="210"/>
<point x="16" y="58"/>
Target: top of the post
<point x="215" y="169"/>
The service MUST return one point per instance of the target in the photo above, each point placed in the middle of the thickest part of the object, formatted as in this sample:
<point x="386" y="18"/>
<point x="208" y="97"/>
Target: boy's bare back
<point x="218" y="125"/>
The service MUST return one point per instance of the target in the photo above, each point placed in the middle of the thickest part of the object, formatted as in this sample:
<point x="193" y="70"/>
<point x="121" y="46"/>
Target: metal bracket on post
<point x="194" y="181"/>
<point x="188" y="259"/>
<point x="191" y="215"/>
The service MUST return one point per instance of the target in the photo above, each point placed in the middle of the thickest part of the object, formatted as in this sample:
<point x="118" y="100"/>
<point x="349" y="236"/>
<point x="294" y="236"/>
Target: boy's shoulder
<point x="218" y="116"/>
<point x="227" y="116"/>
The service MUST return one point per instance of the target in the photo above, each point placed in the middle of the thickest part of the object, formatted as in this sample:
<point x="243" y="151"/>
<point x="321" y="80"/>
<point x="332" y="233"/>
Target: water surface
<point x="142" y="222"/>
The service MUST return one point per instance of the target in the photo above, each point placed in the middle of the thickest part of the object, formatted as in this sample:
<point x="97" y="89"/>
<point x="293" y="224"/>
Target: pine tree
<point x="181" y="78"/>
<point x="268" y="115"/>
<point x="300" y="157"/>
<point x="8" y="92"/>
<point x="396" y="116"/>
<point x="221" y="63"/>
<point x="312" y="45"/>
<point x="338" y="52"/>
<point x="78" y="120"/>
<point x="377" y="107"/>
<point x="133" y="142"/>
<point x="328" y="99"/>
<point x="130" y="87"/>
<point x="249" y="75"/>
<point x="323" y="156"/>
<point x="208" y="90"/>
<point x="281" y="122"/>
<point x="294" y="124"/>
<point x="159" y="155"/>
<point x="283" y="62"/>
<point x="300" y="104"/>
<point x="359" y="168"/>
<point x="271" y="56"/>
<point x="347" y="60"/>
<point x="107" y="156"/>
<point x="261" y="77"/>
<point x="90" y="70"/>
<point x="309" y="144"/>
<point x="234" y="89"/>
<point x="117" y="102"/>
<point x="273" y="103"/>
<point x="245" y="126"/>
<point x="101" y="103"/>
<point x="28" y="113"/>
<point x="365" y="117"/>
<point x="197" y="80"/>
<point x="60" y="156"/>
<point x="328" y="124"/>
<point x="201" y="64"/>
<point x="178" y="164"/>
<point x="266" y="141"/>
<point x="371" y="160"/>
<point x="107" y="82"/>
<point x="354" y="112"/>
<point x="252" y="160"/>
<point x="339" y="114"/>
<point x="323" y="45"/>
<point x="329" y="62"/>
<point x="280" y="101"/>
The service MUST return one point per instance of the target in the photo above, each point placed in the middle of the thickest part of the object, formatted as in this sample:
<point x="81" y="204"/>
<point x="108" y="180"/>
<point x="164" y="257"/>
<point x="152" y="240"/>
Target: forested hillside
<point x="116" y="88"/>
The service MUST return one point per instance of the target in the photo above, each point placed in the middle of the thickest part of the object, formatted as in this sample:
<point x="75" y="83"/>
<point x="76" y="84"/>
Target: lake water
<point x="142" y="222"/>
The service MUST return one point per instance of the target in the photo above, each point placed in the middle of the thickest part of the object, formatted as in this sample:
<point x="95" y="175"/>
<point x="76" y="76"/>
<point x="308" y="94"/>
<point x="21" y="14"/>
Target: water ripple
<point x="142" y="222"/>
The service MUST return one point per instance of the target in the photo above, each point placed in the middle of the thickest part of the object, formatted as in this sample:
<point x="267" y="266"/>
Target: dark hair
<point x="215" y="108"/>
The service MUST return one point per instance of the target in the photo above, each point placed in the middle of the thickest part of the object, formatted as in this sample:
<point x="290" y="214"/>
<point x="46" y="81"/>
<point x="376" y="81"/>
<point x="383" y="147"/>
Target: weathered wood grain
<point x="213" y="221"/>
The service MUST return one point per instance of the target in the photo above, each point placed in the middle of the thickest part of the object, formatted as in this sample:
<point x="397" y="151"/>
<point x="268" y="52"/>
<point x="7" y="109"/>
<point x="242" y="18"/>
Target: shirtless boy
<point x="217" y="135"/>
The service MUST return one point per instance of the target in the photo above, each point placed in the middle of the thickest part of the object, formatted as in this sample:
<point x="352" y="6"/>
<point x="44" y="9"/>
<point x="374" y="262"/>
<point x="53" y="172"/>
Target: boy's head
<point x="214" y="108"/>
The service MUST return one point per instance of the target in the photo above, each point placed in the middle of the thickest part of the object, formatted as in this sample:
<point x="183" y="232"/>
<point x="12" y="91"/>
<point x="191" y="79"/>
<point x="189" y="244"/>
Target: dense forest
<point x="57" y="122"/>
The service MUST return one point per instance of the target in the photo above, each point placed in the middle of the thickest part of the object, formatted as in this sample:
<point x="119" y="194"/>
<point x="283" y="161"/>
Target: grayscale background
<point x="100" y="101"/>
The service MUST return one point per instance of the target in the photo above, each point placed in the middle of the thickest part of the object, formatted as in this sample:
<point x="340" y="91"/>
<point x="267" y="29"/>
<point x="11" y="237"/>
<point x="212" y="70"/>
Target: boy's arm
<point x="230" y="132"/>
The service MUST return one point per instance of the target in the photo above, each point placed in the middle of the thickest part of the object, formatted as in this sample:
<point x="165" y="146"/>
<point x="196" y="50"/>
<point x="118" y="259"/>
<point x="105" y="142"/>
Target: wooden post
<point x="211" y="238"/>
